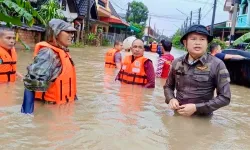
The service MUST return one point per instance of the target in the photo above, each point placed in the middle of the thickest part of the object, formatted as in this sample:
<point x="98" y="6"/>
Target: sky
<point x="169" y="15"/>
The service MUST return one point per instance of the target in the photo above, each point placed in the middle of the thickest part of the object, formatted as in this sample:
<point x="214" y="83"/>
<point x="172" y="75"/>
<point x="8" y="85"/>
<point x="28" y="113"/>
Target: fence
<point x="112" y="37"/>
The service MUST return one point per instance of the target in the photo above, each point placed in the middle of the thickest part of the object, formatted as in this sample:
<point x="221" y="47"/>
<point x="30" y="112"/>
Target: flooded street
<point x="111" y="116"/>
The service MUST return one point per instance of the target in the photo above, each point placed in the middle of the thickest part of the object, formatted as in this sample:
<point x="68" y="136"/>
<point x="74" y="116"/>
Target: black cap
<point x="197" y="29"/>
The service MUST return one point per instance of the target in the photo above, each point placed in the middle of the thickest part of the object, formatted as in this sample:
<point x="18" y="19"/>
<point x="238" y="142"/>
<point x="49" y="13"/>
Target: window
<point x="245" y="9"/>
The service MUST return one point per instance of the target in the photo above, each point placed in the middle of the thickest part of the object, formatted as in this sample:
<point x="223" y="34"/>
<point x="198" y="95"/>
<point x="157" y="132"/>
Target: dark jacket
<point x="196" y="83"/>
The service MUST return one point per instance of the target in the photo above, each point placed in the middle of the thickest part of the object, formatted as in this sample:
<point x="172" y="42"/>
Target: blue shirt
<point x="221" y="56"/>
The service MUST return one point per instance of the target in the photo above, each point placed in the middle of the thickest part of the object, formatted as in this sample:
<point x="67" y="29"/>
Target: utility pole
<point x="148" y="30"/>
<point x="191" y="18"/>
<point x="186" y="25"/>
<point x="213" y="18"/>
<point x="199" y="17"/>
<point x="127" y="15"/>
<point x="88" y="17"/>
<point x="87" y="22"/>
<point x="236" y="4"/>
<point x="183" y="29"/>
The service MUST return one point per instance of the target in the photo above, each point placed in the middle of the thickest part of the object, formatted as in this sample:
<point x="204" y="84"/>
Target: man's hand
<point x="19" y="75"/>
<point x="174" y="104"/>
<point x="187" y="110"/>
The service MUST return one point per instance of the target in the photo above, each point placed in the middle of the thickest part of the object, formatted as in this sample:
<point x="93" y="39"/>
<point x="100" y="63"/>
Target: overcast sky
<point x="171" y="19"/>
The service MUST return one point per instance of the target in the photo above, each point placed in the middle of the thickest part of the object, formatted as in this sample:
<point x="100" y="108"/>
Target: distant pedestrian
<point x="8" y="56"/>
<point x="113" y="56"/>
<point x="165" y="61"/>
<point x="215" y="50"/>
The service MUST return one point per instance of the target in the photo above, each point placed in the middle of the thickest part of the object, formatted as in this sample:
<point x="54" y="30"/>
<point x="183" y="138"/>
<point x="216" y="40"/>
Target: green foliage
<point x="141" y="27"/>
<point x="105" y="42"/>
<point x="27" y="48"/>
<point x="243" y="39"/>
<point x="151" y="39"/>
<point x="91" y="36"/>
<point x="51" y="9"/>
<point x="138" y="13"/>
<point x="77" y="45"/>
<point x="13" y="11"/>
<point x="176" y="40"/>
<point x="219" y="42"/>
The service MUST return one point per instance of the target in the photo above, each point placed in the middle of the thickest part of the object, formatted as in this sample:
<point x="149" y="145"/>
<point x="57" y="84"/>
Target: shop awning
<point x="118" y="26"/>
<point x="113" y="20"/>
<point x="131" y="27"/>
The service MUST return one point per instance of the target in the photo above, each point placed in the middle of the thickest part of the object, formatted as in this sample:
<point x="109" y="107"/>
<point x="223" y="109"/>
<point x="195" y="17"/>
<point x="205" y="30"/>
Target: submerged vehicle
<point x="239" y="69"/>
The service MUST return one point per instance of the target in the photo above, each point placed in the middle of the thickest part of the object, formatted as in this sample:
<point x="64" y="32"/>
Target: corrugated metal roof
<point x="26" y="27"/>
<point x="33" y="28"/>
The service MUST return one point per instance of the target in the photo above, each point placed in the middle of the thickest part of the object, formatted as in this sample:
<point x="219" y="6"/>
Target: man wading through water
<point x="195" y="76"/>
<point x="8" y="56"/>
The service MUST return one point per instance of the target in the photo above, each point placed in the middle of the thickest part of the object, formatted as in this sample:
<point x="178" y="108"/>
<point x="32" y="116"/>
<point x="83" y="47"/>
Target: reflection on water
<point x="110" y="115"/>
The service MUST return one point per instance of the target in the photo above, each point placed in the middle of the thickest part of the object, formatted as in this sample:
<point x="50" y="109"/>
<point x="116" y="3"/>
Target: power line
<point x="196" y="1"/>
<point x="207" y="13"/>
<point x="166" y="17"/>
<point x="118" y="6"/>
<point x="205" y="5"/>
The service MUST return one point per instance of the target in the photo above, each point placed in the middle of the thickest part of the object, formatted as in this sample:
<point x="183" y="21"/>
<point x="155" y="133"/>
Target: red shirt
<point x="160" y="67"/>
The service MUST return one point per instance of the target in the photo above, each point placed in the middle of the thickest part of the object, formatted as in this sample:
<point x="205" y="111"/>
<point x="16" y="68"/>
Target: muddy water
<point x="110" y="116"/>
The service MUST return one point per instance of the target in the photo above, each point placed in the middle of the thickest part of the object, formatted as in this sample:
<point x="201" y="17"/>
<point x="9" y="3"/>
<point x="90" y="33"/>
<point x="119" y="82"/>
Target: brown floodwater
<point x="111" y="116"/>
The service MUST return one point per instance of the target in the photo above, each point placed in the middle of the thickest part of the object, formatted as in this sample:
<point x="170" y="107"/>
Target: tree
<point x="13" y="11"/>
<point x="51" y="9"/>
<point x="245" y="38"/>
<point x="138" y="13"/>
<point x="176" y="40"/>
<point x="141" y="27"/>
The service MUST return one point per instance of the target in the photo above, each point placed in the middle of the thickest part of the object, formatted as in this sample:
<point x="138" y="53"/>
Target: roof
<point x="113" y="11"/>
<point x="94" y="21"/>
<point x="26" y="27"/>
<point x="114" y="18"/>
<point x="82" y="6"/>
<point x="220" y="24"/>
<point x="33" y="28"/>
<point x="239" y="28"/>
<point x="123" y="16"/>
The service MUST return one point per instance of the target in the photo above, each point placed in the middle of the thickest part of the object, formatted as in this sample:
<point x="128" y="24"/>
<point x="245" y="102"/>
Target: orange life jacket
<point x="154" y="47"/>
<point x="110" y="58"/>
<point x="63" y="89"/>
<point x="133" y="72"/>
<point x="8" y="65"/>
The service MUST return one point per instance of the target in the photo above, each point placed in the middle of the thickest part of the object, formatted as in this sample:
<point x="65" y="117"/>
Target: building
<point x="222" y="30"/>
<point x="103" y="10"/>
<point x="150" y="33"/>
<point x="243" y="19"/>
